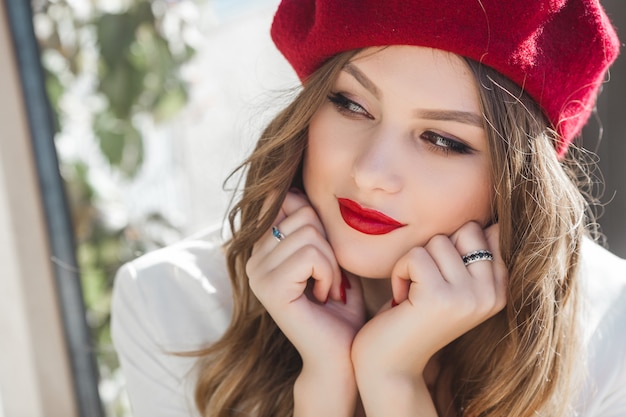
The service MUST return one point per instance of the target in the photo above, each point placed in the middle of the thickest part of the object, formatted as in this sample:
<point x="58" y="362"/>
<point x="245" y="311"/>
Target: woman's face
<point x="396" y="155"/>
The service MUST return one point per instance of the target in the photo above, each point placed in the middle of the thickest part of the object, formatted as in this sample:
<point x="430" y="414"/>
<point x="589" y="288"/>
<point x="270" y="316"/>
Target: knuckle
<point x="310" y="252"/>
<point x="317" y="259"/>
<point x="309" y="232"/>
<point x="471" y="227"/>
<point x="493" y="232"/>
<point x="418" y="253"/>
<point x="465" y="233"/>
<point x="438" y="241"/>
<point x="308" y="214"/>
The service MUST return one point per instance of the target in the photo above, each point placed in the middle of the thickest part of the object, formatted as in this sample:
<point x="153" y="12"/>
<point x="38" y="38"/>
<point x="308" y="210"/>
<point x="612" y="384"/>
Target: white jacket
<point x="178" y="299"/>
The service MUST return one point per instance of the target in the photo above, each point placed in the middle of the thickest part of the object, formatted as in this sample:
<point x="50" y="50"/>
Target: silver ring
<point x="477" y="255"/>
<point x="277" y="233"/>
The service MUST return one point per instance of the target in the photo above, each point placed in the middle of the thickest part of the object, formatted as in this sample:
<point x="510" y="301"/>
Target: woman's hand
<point x="318" y="308"/>
<point x="439" y="298"/>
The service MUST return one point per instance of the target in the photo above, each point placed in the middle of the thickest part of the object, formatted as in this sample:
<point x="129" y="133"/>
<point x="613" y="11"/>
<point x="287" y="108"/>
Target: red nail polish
<point x="393" y="303"/>
<point x="342" y="293"/>
<point x="345" y="281"/>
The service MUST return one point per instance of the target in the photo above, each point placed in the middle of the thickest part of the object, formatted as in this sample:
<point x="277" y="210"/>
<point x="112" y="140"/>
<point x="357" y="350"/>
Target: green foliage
<point x="137" y="72"/>
<point x="120" y="142"/>
<point x="134" y="74"/>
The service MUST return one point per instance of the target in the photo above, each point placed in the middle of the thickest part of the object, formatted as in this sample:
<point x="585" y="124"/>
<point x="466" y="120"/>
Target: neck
<point x="376" y="293"/>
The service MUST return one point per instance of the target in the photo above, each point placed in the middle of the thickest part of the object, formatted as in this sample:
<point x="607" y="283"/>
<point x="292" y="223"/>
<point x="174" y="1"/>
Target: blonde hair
<point x="519" y="363"/>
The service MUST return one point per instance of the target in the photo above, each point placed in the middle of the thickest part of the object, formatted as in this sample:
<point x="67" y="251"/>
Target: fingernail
<point x="342" y="292"/>
<point x="345" y="281"/>
<point x="393" y="303"/>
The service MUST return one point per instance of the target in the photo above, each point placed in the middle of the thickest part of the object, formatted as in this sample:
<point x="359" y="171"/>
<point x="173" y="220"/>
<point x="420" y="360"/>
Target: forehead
<point x="411" y="72"/>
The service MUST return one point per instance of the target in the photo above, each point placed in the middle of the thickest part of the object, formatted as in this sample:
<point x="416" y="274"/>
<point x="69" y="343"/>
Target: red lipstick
<point x="364" y="220"/>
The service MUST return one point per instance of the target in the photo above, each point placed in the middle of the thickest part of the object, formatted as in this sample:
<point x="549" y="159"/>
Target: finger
<point x="492" y="234"/>
<point x="286" y="275"/>
<point x="292" y="203"/>
<point x="305" y="236"/>
<point x="355" y="288"/>
<point x="487" y="277"/>
<point x="308" y="262"/>
<point x="501" y="272"/>
<point x="300" y="216"/>
<point x="470" y="238"/>
<point x="299" y="213"/>
<point x="416" y="269"/>
<point x="293" y="200"/>
<point x="446" y="256"/>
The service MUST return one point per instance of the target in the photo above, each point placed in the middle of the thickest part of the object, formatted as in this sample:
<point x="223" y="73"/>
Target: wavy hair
<point x="528" y="366"/>
<point x="251" y="370"/>
<point x="518" y="363"/>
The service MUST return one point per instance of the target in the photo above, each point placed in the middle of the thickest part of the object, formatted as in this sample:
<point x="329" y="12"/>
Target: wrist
<point x="397" y="394"/>
<point x="325" y="390"/>
<point x="372" y="362"/>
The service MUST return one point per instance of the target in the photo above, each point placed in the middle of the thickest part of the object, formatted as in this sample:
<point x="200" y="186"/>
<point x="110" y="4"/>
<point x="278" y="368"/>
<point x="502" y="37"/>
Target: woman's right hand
<point x="319" y="309"/>
<point x="299" y="283"/>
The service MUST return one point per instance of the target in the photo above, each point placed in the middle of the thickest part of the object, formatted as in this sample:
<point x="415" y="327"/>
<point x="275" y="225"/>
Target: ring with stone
<point x="278" y="235"/>
<point x="477" y="255"/>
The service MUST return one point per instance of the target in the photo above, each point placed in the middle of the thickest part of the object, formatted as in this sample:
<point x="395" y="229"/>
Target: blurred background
<point x="155" y="102"/>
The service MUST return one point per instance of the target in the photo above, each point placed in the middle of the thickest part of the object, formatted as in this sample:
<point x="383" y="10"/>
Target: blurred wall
<point x="35" y="371"/>
<point x="611" y="148"/>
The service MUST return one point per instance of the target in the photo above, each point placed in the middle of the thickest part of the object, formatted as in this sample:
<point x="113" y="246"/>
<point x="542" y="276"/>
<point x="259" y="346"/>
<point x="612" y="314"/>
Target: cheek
<point x="480" y="193"/>
<point x="460" y="198"/>
<point x="322" y="158"/>
<point x="484" y="205"/>
<point x="312" y="165"/>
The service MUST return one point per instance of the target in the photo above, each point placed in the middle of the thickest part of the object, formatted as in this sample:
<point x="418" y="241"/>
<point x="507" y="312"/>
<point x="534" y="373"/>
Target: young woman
<point x="411" y="236"/>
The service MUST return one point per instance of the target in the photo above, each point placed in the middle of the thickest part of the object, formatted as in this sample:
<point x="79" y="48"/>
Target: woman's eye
<point x="347" y="106"/>
<point x="444" y="144"/>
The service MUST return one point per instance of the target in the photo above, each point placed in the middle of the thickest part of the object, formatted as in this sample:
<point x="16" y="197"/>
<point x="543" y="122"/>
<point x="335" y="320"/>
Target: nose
<point x="378" y="165"/>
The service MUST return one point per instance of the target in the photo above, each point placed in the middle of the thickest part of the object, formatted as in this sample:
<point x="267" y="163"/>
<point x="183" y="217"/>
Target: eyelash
<point x="446" y="145"/>
<point x="348" y="107"/>
<point x="443" y="144"/>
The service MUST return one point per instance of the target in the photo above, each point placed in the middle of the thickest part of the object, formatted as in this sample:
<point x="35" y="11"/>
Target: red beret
<point x="558" y="50"/>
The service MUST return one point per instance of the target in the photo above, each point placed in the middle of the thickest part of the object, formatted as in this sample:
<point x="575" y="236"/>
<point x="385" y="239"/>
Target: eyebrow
<point x="451" y="115"/>
<point x="362" y="79"/>
<point x="428" y="114"/>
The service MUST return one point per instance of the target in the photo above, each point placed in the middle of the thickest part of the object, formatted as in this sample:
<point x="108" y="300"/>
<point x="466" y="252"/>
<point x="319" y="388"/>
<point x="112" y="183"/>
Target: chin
<point x="363" y="262"/>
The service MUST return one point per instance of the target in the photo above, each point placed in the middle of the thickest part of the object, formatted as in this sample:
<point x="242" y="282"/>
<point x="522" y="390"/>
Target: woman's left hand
<point x="439" y="299"/>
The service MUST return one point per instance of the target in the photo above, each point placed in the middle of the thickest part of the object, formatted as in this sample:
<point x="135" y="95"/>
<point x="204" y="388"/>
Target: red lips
<point x="364" y="220"/>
